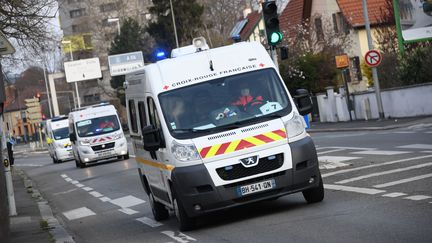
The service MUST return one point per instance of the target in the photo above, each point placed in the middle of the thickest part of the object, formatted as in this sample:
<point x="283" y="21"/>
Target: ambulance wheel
<point x="126" y="156"/>
<point x="79" y="164"/>
<point x="158" y="209"/>
<point x="186" y="223"/>
<point x="314" y="195"/>
<point x="55" y="161"/>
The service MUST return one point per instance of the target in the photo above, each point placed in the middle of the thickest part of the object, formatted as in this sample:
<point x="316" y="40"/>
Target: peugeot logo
<point x="103" y="145"/>
<point x="250" y="161"/>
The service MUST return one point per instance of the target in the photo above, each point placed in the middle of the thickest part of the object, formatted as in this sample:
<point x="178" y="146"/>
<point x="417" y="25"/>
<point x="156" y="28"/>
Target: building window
<point x="79" y="28"/>
<point x="77" y="13"/>
<point x="133" y="116"/>
<point x="107" y="7"/>
<point x="319" y="29"/>
<point x="340" y="24"/>
<point x="92" y="98"/>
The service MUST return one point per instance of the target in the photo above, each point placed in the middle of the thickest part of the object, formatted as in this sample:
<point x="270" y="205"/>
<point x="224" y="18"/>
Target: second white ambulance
<point x="96" y="134"/>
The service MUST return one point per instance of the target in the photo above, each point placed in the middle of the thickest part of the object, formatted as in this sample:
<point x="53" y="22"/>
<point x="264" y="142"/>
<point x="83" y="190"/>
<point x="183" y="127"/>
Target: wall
<point x="407" y="101"/>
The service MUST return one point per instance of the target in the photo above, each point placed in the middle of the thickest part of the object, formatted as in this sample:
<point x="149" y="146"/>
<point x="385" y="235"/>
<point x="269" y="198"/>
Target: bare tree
<point x="219" y="18"/>
<point x="26" y="21"/>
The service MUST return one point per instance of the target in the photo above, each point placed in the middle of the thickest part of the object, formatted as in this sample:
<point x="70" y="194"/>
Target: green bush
<point x="416" y="66"/>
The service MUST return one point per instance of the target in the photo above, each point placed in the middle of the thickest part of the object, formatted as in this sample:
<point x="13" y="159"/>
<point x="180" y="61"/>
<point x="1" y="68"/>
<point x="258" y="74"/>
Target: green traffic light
<point x="275" y="37"/>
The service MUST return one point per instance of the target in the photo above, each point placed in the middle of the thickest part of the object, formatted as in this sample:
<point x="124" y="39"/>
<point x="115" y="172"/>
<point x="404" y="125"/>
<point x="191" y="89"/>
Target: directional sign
<point x="373" y="58"/>
<point x="30" y="102"/>
<point x="84" y="69"/>
<point x="34" y="109"/>
<point x="5" y="46"/>
<point x="122" y="64"/>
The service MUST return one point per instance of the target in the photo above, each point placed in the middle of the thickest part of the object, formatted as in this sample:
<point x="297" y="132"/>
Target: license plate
<point x="105" y="154"/>
<point x="256" y="187"/>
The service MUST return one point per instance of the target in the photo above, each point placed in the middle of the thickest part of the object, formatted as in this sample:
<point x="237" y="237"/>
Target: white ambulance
<point x="57" y="137"/>
<point x="217" y="128"/>
<point x="96" y="134"/>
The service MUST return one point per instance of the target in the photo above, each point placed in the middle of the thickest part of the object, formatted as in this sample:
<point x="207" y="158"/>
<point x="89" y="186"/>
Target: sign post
<point x="342" y="63"/>
<point x="374" y="70"/>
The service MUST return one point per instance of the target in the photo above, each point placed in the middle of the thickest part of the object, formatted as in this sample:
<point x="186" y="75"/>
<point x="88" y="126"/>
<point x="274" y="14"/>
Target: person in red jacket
<point x="246" y="99"/>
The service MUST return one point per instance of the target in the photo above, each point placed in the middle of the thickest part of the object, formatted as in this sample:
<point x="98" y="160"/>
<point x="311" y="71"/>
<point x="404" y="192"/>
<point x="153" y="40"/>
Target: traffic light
<point x="38" y="95"/>
<point x="271" y="22"/>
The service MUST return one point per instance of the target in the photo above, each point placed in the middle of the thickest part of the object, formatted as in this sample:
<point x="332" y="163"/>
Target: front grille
<point x="237" y="171"/>
<point x="103" y="146"/>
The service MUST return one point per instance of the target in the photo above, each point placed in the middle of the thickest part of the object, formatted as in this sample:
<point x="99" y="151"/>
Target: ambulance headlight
<point x="118" y="136"/>
<point x="85" y="142"/>
<point x="184" y="152"/>
<point x="295" y="127"/>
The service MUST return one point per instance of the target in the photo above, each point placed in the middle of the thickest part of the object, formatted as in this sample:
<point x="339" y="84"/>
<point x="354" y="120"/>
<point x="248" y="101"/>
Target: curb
<point x="55" y="229"/>
<point x="413" y="125"/>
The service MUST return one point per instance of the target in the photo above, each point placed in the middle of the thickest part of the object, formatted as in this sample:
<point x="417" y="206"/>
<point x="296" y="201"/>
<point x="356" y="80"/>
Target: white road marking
<point x="404" y="132"/>
<point x="380" y="152"/>
<point x="331" y="165"/>
<point x="126" y="202"/>
<point x="330" y="151"/>
<point x="150" y="222"/>
<point x="74" y="182"/>
<point x="375" y="165"/>
<point x="351" y="148"/>
<point x="87" y="188"/>
<point x="335" y="159"/>
<point x="28" y="165"/>
<point x="64" y="175"/>
<point x="68" y="179"/>
<point x="65" y="192"/>
<point x="79" y="185"/>
<point x="128" y="211"/>
<point x="429" y="132"/>
<point x="95" y="194"/>
<point x="418" y="197"/>
<point x="178" y="236"/>
<point x="416" y="146"/>
<point x="353" y="189"/>
<point x="105" y="199"/>
<point x="415" y="178"/>
<point x="394" y="194"/>
<point x="384" y="173"/>
<point x="78" y="213"/>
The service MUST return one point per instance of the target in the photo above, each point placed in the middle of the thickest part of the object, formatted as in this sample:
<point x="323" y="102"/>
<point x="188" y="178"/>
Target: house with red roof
<point x="324" y="17"/>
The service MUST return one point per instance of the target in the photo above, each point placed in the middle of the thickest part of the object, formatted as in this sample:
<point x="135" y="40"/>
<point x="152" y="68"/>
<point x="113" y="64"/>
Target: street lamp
<point x="71" y="57"/>
<point x="46" y="87"/>
<point x="174" y="24"/>
<point x="112" y="20"/>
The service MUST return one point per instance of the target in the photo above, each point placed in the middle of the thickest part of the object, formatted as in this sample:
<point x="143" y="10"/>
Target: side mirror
<point x="303" y="101"/>
<point x="151" y="138"/>
<point x="72" y="137"/>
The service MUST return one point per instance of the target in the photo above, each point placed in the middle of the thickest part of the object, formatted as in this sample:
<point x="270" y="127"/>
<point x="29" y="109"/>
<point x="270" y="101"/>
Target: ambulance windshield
<point x="61" y="133"/>
<point x="224" y="103"/>
<point x="97" y="126"/>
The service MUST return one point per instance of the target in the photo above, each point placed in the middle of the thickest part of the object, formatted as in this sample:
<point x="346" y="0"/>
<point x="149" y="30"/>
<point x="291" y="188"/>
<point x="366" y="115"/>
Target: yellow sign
<point x="80" y="42"/>
<point x="342" y="61"/>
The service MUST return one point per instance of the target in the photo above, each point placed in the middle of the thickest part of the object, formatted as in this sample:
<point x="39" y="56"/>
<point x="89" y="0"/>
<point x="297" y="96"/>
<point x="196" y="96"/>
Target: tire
<point x="186" y="223"/>
<point x="55" y="161"/>
<point x="158" y="209"/>
<point x="126" y="157"/>
<point x="79" y="164"/>
<point x="314" y="195"/>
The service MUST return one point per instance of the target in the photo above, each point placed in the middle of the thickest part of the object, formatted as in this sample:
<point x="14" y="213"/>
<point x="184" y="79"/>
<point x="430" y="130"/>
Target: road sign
<point x="81" y="70"/>
<point x="122" y="64"/>
<point x="34" y="109"/>
<point x="373" y="58"/>
<point x="342" y="61"/>
<point x="5" y="46"/>
<point x="30" y="102"/>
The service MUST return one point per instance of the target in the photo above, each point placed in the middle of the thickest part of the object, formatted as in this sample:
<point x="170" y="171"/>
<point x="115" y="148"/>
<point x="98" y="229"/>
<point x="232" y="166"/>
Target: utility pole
<point x="174" y="24"/>
<point x="374" y="70"/>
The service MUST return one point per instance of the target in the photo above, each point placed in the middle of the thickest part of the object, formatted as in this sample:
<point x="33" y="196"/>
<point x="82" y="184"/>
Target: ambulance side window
<point x="133" y="116"/>
<point x="142" y="114"/>
<point x="154" y="117"/>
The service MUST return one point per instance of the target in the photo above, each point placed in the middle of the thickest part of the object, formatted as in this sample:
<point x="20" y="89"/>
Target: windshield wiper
<point x="186" y="130"/>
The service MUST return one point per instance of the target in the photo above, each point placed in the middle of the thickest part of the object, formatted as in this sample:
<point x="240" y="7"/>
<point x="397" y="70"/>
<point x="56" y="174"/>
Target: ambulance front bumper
<point x="199" y="195"/>
<point x="95" y="153"/>
<point x="64" y="154"/>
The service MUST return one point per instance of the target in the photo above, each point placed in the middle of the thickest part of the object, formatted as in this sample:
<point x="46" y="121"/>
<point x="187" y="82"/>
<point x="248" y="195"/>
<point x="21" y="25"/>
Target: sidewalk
<point x="371" y="125"/>
<point x="35" y="221"/>
<point x="25" y="148"/>
<point x="28" y="225"/>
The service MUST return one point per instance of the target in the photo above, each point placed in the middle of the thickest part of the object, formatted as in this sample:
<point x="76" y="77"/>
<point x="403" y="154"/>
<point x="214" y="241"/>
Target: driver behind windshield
<point x="246" y="98"/>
